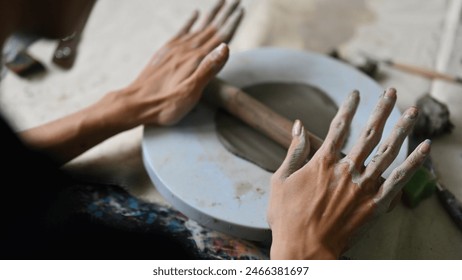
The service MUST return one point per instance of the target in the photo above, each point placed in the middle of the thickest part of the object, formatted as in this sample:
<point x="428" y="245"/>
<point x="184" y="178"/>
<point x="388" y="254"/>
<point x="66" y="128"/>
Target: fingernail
<point x="425" y="147"/>
<point x="354" y="94"/>
<point x="218" y="51"/>
<point x="412" y="112"/>
<point x="353" y="101"/>
<point x="297" y="129"/>
<point x="390" y="93"/>
<point x="220" y="48"/>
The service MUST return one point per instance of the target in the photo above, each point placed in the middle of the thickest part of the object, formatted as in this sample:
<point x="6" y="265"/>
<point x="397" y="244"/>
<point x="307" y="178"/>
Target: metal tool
<point x="446" y="197"/>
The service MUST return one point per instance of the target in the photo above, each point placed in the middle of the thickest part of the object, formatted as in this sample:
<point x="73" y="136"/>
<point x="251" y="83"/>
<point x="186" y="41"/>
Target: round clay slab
<point x="194" y="172"/>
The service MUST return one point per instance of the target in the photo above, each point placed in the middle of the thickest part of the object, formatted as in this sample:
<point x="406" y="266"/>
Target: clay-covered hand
<point x="172" y="82"/>
<point x="318" y="208"/>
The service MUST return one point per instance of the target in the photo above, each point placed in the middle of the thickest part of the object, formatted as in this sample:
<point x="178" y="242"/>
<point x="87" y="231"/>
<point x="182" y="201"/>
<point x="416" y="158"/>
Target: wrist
<point x="117" y="111"/>
<point x="294" y="249"/>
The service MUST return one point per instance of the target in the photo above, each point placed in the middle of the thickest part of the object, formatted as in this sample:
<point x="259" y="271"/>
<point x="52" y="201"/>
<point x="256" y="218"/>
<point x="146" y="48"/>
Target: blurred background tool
<point x="367" y="66"/>
<point x="413" y="69"/>
<point x="66" y="51"/>
<point x="17" y="58"/>
<point x="25" y="65"/>
<point x="447" y="199"/>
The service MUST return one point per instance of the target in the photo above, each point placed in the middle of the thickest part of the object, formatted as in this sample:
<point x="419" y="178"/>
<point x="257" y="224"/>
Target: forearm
<point x="68" y="137"/>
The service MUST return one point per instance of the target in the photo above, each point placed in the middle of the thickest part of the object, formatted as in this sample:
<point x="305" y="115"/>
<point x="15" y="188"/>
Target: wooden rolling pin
<point x="254" y="113"/>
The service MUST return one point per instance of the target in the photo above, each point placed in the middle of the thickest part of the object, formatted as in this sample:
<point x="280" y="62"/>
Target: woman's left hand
<point x="172" y="82"/>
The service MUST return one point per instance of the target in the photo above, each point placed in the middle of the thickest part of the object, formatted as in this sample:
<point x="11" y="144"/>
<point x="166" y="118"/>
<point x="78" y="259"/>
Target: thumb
<point x="297" y="153"/>
<point x="211" y="65"/>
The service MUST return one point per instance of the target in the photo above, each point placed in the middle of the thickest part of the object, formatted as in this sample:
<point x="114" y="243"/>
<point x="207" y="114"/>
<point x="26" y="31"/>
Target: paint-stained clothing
<point x="47" y="214"/>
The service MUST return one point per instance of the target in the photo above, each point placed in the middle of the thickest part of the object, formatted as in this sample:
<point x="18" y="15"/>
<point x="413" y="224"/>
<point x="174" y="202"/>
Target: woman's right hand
<point x="319" y="208"/>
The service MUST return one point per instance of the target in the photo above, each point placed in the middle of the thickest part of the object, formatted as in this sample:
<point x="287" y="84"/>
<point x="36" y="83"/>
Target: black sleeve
<point x="30" y="180"/>
<point x="43" y="217"/>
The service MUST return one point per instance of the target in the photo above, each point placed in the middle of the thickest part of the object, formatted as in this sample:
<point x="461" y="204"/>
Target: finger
<point x="202" y="38"/>
<point x="296" y="154"/>
<point x="212" y="14"/>
<point x="372" y="134"/>
<point x="227" y="32"/>
<point x="210" y="66"/>
<point x="159" y="55"/>
<point x="388" y="151"/>
<point x="187" y="26"/>
<point x="400" y="176"/>
<point x="340" y="125"/>
<point x="210" y="37"/>
<point x="227" y="13"/>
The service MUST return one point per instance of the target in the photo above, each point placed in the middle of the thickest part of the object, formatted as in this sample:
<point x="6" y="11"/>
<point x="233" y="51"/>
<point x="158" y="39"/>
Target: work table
<point x="121" y="36"/>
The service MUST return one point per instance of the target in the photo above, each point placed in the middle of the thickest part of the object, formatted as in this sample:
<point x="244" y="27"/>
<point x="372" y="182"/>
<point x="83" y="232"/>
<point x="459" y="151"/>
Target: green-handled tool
<point x="423" y="184"/>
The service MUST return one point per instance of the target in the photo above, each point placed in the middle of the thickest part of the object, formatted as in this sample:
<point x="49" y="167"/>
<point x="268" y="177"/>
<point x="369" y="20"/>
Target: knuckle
<point x="398" y="174"/>
<point x="385" y="154"/>
<point x="340" y="124"/>
<point x="373" y="135"/>
<point x="386" y="148"/>
<point x="344" y="168"/>
<point x="376" y="157"/>
<point x="370" y="133"/>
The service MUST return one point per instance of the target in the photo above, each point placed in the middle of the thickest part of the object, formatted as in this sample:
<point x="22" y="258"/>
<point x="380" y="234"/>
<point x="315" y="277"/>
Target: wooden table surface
<point x="122" y="35"/>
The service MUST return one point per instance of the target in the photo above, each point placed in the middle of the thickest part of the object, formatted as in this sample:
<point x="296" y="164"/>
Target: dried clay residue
<point x="291" y="100"/>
